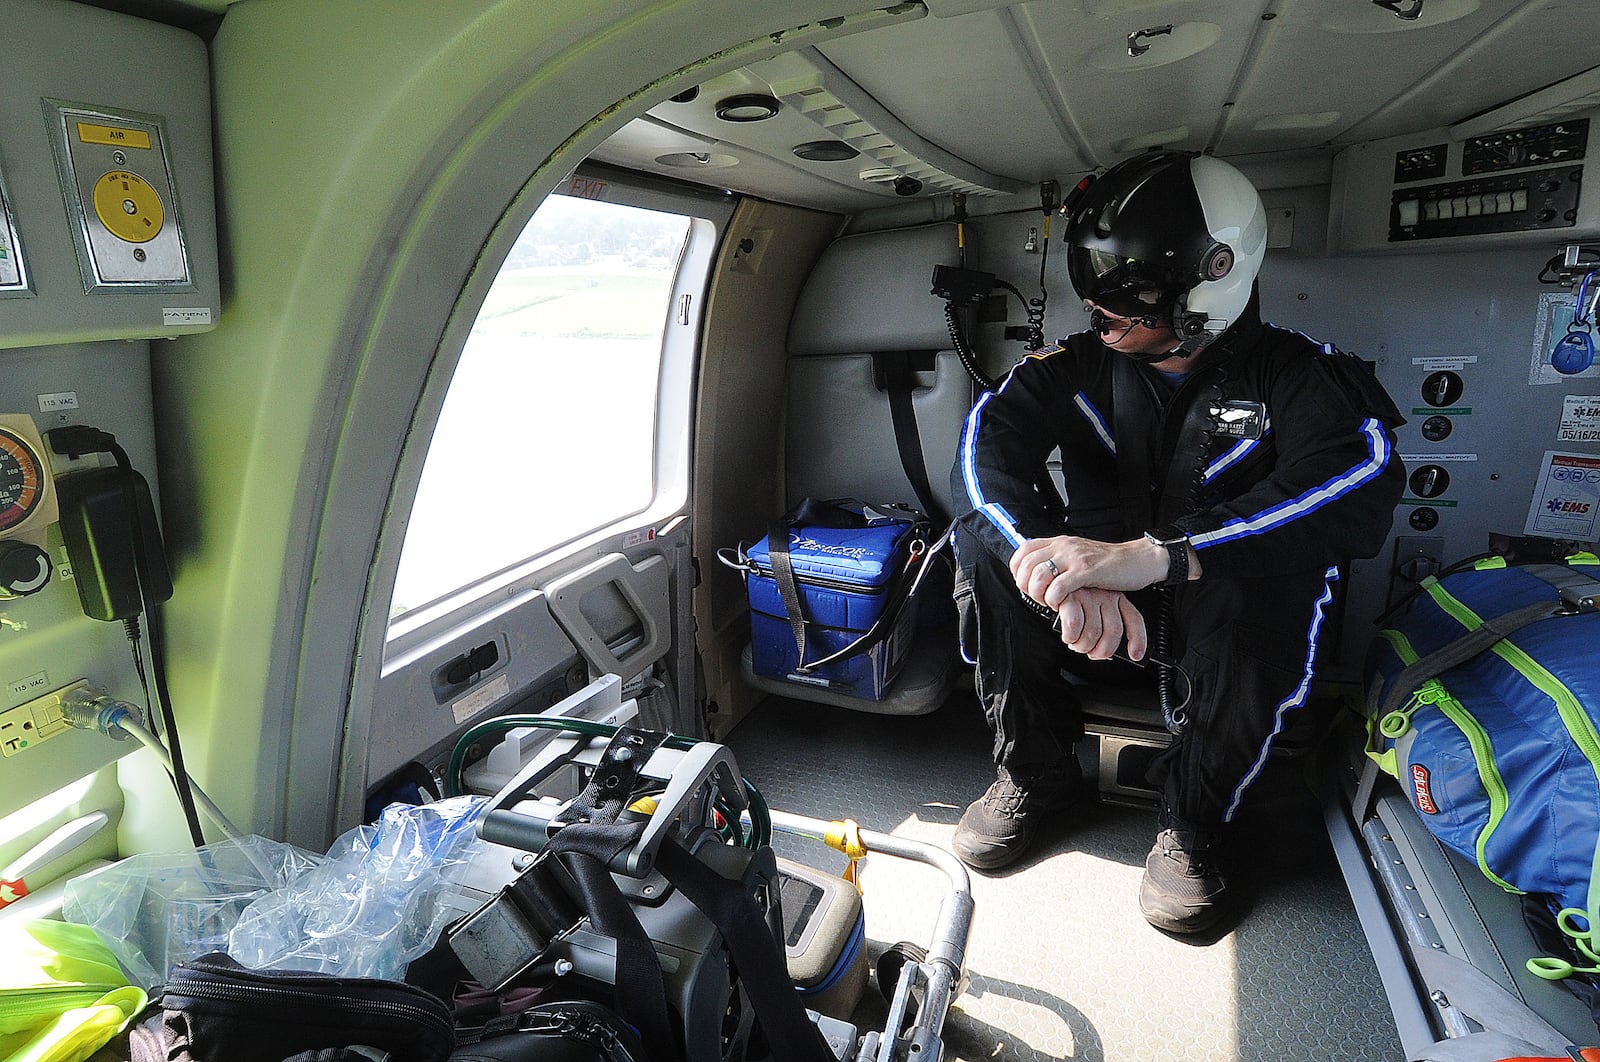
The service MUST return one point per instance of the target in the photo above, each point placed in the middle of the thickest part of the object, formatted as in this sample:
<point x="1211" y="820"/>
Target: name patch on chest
<point x="1238" y="419"/>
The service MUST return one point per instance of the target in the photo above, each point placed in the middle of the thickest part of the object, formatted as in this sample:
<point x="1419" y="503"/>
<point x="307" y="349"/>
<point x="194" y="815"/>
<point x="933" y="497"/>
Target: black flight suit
<point x="1271" y="519"/>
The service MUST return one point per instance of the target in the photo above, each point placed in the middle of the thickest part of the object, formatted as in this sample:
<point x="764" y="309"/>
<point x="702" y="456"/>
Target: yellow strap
<point x="1489" y="562"/>
<point x="846" y="837"/>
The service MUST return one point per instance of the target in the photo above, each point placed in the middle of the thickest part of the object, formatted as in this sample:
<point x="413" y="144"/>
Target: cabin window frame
<point x="709" y="212"/>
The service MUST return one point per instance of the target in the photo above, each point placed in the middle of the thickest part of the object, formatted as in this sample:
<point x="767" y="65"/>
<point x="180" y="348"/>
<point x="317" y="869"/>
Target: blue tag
<point x="1573" y="354"/>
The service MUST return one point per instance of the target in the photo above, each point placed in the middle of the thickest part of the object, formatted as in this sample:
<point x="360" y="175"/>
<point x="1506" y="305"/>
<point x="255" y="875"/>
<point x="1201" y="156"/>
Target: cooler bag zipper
<point x="1434" y="692"/>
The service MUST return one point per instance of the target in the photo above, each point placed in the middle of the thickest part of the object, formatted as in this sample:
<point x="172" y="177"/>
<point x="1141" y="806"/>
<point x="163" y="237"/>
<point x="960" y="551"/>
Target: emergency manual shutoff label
<point x="1566" y="500"/>
<point x="1580" y="419"/>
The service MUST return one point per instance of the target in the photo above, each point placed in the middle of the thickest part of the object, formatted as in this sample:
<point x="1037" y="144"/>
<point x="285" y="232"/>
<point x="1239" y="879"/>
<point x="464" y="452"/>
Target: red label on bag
<point x="1419" y="784"/>
<point x="12" y="891"/>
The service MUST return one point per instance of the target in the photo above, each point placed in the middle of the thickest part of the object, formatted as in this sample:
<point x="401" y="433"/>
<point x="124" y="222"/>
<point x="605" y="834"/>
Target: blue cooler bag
<point x="852" y="577"/>
<point x="1484" y="702"/>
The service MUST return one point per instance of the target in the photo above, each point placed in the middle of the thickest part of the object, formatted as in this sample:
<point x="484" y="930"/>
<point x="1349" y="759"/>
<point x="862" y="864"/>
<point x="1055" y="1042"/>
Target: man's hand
<point x="1093" y="622"/>
<point x="1049" y="570"/>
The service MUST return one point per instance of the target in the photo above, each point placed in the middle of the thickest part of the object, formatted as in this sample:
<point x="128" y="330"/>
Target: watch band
<point x="1176" y="544"/>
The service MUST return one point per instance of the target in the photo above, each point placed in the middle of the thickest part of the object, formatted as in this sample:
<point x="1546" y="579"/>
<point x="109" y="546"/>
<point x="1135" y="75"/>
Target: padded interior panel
<point x="871" y="292"/>
<point x="840" y="436"/>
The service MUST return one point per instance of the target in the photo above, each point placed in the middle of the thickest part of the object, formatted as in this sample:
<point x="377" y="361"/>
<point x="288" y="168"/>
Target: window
<point x="548" y="429"/>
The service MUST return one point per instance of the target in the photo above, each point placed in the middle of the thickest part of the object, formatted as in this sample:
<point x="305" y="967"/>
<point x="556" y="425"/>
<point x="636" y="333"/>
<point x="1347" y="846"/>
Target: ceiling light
<point x="826" y="151"/>
<point x="751" y="107"/>
<point x="697" y="160"/>
<point x="879" y="174"/>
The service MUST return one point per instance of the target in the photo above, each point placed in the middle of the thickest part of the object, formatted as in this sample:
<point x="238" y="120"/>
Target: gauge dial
<point x="21" y="480"/>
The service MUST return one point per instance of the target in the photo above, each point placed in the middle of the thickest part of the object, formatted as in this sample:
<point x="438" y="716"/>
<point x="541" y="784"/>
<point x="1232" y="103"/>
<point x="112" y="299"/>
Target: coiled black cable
<point x="963" y="349"/>
<point x="1036" y="307"/>
<point x="1174" y="714"/>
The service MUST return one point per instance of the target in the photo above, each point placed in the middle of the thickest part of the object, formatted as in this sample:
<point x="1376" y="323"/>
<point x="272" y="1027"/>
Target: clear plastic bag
<point x="373" y="905"/>
<point x="366" y="909"/>
<point x="156" y="910"/>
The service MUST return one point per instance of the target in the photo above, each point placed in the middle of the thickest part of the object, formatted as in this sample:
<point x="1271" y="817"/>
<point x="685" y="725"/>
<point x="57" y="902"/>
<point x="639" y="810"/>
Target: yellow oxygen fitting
<point x="845" y="837"/>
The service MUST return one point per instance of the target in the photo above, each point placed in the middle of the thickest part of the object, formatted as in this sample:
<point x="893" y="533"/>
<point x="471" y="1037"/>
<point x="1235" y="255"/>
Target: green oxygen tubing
<point x="760" y="817"/>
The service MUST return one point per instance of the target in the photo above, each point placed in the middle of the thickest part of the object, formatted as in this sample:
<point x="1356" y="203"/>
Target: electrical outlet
<point x="38" y="720"/>
<point x="1418" y="557"/>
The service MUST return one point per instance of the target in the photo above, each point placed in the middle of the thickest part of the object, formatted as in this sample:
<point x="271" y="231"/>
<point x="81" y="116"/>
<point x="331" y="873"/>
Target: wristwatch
<point x="1176" y="544"/>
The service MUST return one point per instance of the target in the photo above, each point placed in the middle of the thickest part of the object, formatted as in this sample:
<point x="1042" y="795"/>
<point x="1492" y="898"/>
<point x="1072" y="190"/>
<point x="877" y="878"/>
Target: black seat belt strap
<point x="1134" y="485"/>
<point x="584" y="849"/>
<point x="791" y="1035"/>
<point x="899" y="381"/>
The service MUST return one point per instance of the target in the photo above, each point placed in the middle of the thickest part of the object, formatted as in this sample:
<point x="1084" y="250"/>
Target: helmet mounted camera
<point x="1171" y="235"/>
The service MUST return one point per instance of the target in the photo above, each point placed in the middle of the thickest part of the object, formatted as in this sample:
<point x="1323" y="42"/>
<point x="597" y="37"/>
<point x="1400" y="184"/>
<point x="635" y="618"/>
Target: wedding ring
<point x="1054" y="571"/>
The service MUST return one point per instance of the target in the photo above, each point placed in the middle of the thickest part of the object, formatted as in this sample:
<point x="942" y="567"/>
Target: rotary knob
<point x="24" y="569"/>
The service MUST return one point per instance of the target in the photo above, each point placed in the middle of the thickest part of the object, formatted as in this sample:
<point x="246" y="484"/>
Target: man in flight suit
<point x="1228" y="466"/>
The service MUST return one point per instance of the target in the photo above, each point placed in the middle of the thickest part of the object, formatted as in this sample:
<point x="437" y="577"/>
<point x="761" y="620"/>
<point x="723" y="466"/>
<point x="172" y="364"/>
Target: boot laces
<point x="1192" y="855"/>
<point x="1005" y="795"/>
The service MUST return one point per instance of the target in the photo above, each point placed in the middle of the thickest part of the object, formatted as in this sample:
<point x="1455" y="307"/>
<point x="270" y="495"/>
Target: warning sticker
<point x="1566" y="499"/>
<point x="1580" y="419"/>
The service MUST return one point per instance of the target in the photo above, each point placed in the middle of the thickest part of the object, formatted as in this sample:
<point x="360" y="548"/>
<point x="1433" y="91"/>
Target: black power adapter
<point x="100" y="538"/>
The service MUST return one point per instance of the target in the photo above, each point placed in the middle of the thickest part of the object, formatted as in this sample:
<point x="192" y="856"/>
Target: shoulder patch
<point x="1045" y="352"/>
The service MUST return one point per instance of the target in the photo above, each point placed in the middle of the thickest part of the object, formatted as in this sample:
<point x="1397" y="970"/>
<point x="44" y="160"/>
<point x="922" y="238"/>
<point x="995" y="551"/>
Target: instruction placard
<point x="1580" y="419"/>
<point x="1459" y="361"/>
<point x="1566" y="499"/>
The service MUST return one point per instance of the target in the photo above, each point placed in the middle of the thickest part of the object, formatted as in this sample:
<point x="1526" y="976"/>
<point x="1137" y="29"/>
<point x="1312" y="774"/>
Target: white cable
<point x="126" y="723"/>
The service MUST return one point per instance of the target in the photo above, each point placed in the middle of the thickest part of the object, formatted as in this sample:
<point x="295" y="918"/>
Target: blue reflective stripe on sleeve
<point x="1096" y="421"/>
<point x="1235" y="453"/>
<point x="969" y="473"/>
<point x="1296" y="698"/>
<point x="1378" y="454"/>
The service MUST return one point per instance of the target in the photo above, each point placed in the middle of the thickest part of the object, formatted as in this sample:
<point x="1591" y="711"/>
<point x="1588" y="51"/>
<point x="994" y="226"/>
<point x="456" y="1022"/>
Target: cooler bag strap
<point x="901" y="589"/>
<point x="783" y="575"/>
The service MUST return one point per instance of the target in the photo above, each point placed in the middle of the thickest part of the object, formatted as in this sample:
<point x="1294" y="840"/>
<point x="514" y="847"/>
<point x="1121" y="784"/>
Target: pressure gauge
<point x="22" y="480"/>
<point x="27" y="493"/>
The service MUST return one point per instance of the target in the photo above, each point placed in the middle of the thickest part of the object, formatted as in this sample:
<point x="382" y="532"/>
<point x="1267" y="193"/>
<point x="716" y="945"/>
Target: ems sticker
<point x="1237" y="419"/>
<point x="1419" y="784"/>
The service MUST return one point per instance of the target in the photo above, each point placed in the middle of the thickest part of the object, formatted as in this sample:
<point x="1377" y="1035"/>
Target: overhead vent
<point x="813" y="87"/>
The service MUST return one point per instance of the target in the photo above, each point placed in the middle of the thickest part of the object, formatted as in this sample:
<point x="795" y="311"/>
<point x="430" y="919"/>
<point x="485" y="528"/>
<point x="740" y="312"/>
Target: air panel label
<point x="113" y="136"/>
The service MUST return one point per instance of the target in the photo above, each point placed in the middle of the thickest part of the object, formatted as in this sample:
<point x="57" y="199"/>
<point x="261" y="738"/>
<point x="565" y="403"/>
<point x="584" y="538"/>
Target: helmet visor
<point x="1127" y="287"/>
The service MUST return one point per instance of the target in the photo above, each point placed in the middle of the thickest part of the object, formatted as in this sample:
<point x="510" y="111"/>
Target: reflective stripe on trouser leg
<point x="1250" y="662"/>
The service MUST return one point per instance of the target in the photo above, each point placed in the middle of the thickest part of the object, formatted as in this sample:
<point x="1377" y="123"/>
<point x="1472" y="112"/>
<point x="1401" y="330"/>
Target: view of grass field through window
<point x="548" y="428"/>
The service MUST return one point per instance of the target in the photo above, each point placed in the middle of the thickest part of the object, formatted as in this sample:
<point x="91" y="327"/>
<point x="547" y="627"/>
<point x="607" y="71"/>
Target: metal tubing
<point x="947" y="951"/>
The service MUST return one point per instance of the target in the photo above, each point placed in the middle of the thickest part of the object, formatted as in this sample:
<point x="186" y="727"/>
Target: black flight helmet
<point x="1169" y="236"/>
